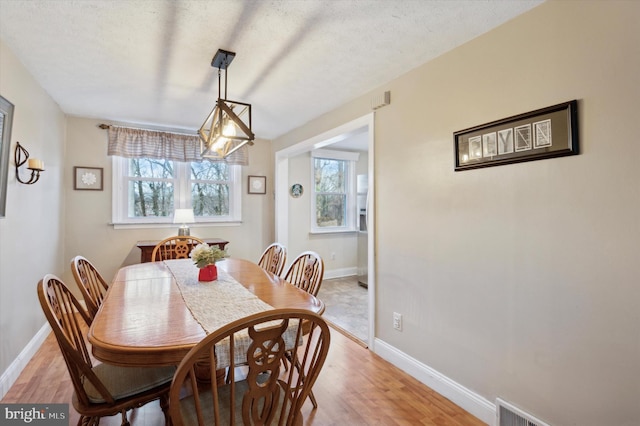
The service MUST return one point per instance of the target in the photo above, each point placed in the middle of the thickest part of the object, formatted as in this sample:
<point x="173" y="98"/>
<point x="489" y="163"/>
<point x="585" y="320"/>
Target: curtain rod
<point x="162" y="130"/>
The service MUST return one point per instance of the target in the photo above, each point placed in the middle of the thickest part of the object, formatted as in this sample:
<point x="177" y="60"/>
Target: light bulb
<point x="229" y="129"/>
<point x="219" y="144"/>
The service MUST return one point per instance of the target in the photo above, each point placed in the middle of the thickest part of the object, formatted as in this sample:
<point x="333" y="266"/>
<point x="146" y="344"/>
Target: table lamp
<point x="183" y="216"/>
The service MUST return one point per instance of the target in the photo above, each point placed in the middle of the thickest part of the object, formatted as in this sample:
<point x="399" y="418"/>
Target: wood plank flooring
<point x="355" y="387"/>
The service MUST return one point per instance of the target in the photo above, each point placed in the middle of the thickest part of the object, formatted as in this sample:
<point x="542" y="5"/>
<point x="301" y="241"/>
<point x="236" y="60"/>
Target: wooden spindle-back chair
<point x="306" y="272"/>
<point x="268" y="394"/>
<point x="92" y="286"/>
<point x="273" y="258"/>
<point x="99" y="389"/>
<point x="177" y="247"/>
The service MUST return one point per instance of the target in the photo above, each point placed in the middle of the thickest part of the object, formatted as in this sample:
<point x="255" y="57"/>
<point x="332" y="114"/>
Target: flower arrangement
<point x="203" y="255"/>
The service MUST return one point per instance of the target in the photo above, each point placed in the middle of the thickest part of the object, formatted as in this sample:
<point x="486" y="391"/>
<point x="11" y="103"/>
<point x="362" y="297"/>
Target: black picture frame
<point x="6" y="122"/>
<point x="544" y="133"/>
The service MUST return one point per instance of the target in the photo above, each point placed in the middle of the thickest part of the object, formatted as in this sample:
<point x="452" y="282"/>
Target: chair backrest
<point x="177" y="247"/>
<point x="306" y="272"/>
<point x="60" y="306"/>
<point x="92" y="286"/>
<point x="269" y="393"/>
<point x="273" y="258"/>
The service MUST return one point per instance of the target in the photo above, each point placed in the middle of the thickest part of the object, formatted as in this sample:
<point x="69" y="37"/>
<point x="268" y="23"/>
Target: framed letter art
<point x="536" y="135"/>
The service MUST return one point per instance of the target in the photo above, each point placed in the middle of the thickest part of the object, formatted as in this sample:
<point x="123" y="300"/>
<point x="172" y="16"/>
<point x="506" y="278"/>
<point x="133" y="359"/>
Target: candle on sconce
<point x="35" y="164"/>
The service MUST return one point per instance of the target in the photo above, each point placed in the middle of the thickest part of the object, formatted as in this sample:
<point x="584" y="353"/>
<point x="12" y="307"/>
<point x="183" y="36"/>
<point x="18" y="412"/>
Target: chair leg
<point x="125" y="421"/>
<point x="312" y="397"/>
<point x="288" y="357"/>
<point x="88" y="421"/>
<point x="285" y="363"/>
<point x="164" y="405"/>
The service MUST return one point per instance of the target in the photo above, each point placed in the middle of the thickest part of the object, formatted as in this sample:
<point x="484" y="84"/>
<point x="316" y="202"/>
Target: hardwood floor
<point x="355" y="387"/>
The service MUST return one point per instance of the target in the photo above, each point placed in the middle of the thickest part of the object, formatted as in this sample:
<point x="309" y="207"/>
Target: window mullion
<point x="182" y="194"/>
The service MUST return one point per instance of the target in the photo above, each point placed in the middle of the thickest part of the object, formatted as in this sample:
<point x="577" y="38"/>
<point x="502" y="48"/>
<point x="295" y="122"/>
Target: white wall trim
<point x="340" y="272"/>
<point x="11" y="374"/>
<point x="465" y="398"/>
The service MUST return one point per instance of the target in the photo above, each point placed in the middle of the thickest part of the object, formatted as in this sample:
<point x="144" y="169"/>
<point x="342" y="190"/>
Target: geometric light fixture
<point x="224" y="131"/>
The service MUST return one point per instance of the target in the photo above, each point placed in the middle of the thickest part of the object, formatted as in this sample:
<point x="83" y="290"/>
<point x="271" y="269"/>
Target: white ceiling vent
<point x="378" y="101"/>
<point x="510" y="415"/>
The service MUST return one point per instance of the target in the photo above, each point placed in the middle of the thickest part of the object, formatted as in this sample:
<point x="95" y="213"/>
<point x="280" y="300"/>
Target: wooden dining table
<point x="145" y="321"/>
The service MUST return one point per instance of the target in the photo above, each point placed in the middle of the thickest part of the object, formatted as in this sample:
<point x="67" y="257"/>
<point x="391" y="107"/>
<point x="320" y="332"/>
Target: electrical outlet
<point x="333" y="256"/>
<point x="397" y="321"/>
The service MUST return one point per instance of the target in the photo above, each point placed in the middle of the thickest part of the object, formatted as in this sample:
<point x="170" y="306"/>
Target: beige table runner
<point x="218" y="303"/>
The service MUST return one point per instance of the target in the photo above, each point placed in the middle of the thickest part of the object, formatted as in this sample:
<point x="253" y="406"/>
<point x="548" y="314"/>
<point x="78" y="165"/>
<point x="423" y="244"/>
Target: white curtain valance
<point x="139" y="143"/>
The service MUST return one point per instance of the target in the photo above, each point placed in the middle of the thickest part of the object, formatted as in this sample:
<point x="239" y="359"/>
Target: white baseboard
<point x="339" y="273"/>
<point x="11" y="374"/>
<point x="458" y="394"/>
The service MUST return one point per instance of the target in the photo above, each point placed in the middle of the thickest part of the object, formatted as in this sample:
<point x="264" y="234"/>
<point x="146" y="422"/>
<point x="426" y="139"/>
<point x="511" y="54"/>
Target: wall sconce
<point x="36" y="166"/>
<point x="183" y="216"/>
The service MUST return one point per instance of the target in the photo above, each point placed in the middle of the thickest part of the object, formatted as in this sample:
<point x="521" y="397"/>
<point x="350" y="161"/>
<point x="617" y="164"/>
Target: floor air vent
<point x="509" y="415"/>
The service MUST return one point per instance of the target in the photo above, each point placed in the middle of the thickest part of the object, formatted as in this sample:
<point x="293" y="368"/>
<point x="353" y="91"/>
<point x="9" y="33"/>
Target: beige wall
<point x="32" y="231"/>
<point x="517" y="281"/>
<point x="88" y="218"/>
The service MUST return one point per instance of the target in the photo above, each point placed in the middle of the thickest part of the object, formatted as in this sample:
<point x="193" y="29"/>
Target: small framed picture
<point x="87" y="178"/>
<point x="257" y="185"/>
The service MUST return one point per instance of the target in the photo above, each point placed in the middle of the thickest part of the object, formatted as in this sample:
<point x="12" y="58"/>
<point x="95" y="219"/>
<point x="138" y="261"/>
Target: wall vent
<point x="510" y="415"/>
<point x="379" y="101"/>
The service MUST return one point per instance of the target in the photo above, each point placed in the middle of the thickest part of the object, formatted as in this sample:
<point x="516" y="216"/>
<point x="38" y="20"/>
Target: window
<point x="210" y="186"/>
<point x="150" y="185"/>
<point x="333" y="200"/>
<point x="147" y="190"/>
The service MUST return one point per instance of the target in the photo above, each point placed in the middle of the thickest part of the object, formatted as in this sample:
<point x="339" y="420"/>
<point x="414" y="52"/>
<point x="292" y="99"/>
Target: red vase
<point x="208" y="273"/>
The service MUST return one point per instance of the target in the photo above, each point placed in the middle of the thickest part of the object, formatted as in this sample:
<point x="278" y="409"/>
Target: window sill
<point x="140" y="225"/>
<point x="333" y="231"/>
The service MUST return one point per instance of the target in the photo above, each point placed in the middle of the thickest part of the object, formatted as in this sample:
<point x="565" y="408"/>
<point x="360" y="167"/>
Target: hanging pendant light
<point x="224" y="131"/>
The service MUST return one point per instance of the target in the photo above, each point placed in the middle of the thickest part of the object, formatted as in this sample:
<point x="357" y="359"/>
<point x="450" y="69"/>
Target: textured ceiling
<point x="148" y="61"/>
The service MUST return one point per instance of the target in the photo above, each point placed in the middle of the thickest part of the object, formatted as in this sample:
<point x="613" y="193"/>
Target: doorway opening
<point x="357" y="132"/>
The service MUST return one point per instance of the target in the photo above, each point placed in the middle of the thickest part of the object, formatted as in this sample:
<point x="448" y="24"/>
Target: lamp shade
<point x="183" y="216"/>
